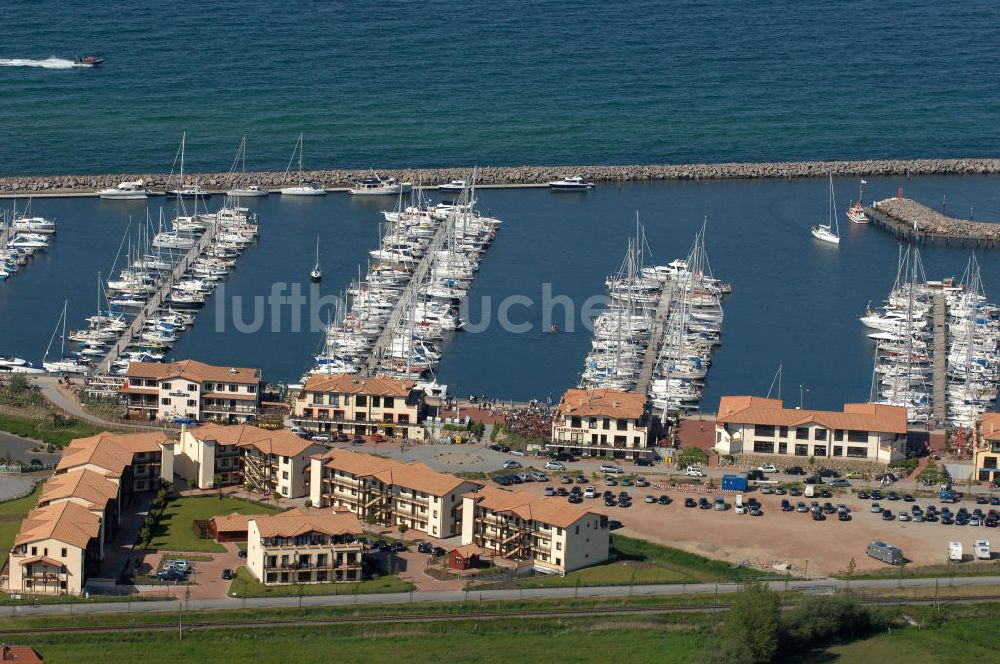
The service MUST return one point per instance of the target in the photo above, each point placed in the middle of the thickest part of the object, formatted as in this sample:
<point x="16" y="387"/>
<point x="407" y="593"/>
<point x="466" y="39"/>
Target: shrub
<point x="753" y="622"/>
<point x="692" y="455"/>
<point x="819" y="619"/>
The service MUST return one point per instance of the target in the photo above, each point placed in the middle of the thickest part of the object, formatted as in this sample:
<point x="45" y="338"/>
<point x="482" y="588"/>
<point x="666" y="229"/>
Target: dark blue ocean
<point x="503" y="82"/>
<point x="796" y="300"/>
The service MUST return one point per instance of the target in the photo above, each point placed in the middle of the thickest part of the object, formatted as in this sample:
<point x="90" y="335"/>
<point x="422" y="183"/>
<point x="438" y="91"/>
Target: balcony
<point x="239" y="409"/>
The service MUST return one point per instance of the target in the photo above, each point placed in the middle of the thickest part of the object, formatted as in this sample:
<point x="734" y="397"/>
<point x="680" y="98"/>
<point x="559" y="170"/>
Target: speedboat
<point x="856" y="214"/>
<point x="250" y="191"/>
<point x="125" y="191"/>
<point x="87" y="61"/>
<point x="376" y="186"/>
<point x="454" y="185"/>
<point x="570" y="183"/>
<point x="28" y="241"/>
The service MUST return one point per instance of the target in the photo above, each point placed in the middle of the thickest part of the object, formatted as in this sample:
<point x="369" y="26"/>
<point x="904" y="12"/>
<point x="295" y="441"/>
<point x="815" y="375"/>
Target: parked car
<point x="425" y="547"/>
<point x="643" y="462"/>
<point x="755" y="475"/>
<point x="625" y="481"/>
<point x="785" y="505"/>
<point x="561" y="491"/>
<point x="704" y="504"/>
<point x="863" y="495"/>
<point x="591" y="492"/>
<point x="840" y="483"/>
<point x="566" y="479"/>
<point x="554" y="465"/>
<point x="694" y="471"/>
<point x="320" y="438"/>
<point x="875" y="508"/>
<point x="580" y="479"/>
<point x="755" y="510"/>
<point x="819" y="516"/>
<point x="690" y="502"/>
<point x="908" y="498"/>
<point x="892" y="495"/>
<point x="510" y="463"/>
<point x="766" y="490"/>
<point x="720" y="504"/>
<point x="828" y="472"/>
<point x="539" y="476"/>
<point x="664" y="499"/>
<point x="641" y="482"/>
<point x="887" y="515"/>
<point x="801" y="507"/>
<point x="843" y="516"/>
<point x="611" y="468"/>
<point x="904" y="516"/>
<point x="768" y="468"/>
<point x="549" y="491"/>
<point x="650" y="499"/>
<point x="517" y="452"/>
<point x="575" y="498"/>
<point x="794" y="470"/>
<point x="525" y="477"/>
<point x="795" y="493"/>
<point x="610" y="481"/>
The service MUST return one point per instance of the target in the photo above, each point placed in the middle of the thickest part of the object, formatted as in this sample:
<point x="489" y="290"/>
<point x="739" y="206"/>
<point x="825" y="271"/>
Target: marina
<point x="551" y="243"/>
<point x="22" y="236"/>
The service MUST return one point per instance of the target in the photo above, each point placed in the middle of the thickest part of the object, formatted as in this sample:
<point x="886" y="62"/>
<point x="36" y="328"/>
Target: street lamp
<point x="802" y="390"/>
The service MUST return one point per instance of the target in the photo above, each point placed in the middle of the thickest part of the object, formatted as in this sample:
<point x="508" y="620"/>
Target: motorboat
<point x="377" y="186"/>
<point x="34" y="224"/>
<point x="249" y="191"/>
<point x="454" y="185"/>
<point x="87" y="61"/>
<point x="130" y="190"/>
<point x="856" y="214"/>
<point x="28" y="241"/>
<point x="570" y="183"/>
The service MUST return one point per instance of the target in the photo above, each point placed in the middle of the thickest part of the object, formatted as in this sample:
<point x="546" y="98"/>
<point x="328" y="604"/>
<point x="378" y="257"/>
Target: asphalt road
<point x="820" y="585"/>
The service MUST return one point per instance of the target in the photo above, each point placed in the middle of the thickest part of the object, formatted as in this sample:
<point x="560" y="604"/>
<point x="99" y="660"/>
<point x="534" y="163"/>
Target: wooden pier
<point x="940" y="358"/>
<point x="656" y="339"/>
<point x="154" y="302"/>
<point x="407" y="296"/>
<point x="910" y="221"/>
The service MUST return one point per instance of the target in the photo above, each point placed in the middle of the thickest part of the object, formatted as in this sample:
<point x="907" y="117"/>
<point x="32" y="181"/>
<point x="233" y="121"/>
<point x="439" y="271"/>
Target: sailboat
<point x="240" y="188"/>
<point x="856" y="213"/>
<point x="830" y="232"/>
<point x="317" y="274"/>
<point x="66" y="364"/>
<point x="308" y="187"/>
<point x="182" y="190"/>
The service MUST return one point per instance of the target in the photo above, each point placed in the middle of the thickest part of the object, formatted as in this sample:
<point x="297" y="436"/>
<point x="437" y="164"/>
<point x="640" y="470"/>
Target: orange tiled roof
<point x="281" y="442"/>
<point x="65" y="522"/>
<point x="553" y="511"/>
<point x="389" y="471"/>
<point x="305" y="520"/>
<point x="193" y="370"/>
<point x="110" y="451"/>
<point x="353" y="384"/>
<point x="771" y="412"/>
<point x="602" y="403"/>
<point x="23" y="654"/>
<point x="232" y="522"/>
<point x="991" y="426"/>
<point x="87" y="485"/>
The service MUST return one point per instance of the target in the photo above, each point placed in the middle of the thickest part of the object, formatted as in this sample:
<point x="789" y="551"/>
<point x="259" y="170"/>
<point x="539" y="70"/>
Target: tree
<point x="192" y="483"/>
<point x="308" y="503"/>
<point x="403" y="528"/>
<point x="17" y="383"/>
<point x="752" y="622"/>
<point x="248" y="487"/>
<point x="277" y="498"/>
<point x="217" y="481"/>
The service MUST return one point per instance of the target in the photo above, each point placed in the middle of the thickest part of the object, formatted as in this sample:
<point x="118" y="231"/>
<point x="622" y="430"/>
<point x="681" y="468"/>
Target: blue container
<point x="735" y="482"/>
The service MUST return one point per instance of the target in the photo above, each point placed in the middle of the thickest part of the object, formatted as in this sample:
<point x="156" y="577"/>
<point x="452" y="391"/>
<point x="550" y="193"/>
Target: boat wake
<point x="48" y="63"/>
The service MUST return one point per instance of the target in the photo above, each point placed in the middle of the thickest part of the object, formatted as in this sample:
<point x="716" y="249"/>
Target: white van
<point x="740" y="509"/>
<point x="809" y="491"/>
<point x="982" y="549"/>
<point x="955" y="552"/>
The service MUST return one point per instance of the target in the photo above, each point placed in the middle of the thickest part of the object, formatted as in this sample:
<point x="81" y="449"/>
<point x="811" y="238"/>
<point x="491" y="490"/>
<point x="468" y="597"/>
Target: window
<point x="284" y="490"/>
<point x="333" y="399"/>
<point x="838" y="435"/>
<point x="607" y="423"/>
<point x="622" y="425"/>
<point x="65" y="552"/>
<point x="857" y="452"/>
<point x="783" y="432"/>
<point x="857" y="436"/>
<point x="165" y="386"/>
<point x="234" y="388"/>
<point x="761" y="447"/>
<point x="165" y="401"/>
<point x="375" y="402"/>
<point x="819" y="434"/>
<point x="801" y="433"/>
<point x="558" y="561"/>
<point x="801" y="450"/>
<point x="782" y="448"/>
<point x="575" y="422"/>
<point x="838" y="450"/>
<point x="284" y="475"/>
<point x="192" y="387"/>
<point x="34" y="550"/>
<point x="403" y="419"/>
<point x="192" y="403"/>
<point x="251" y="389"/>
<point x="361" y="400"/>
<point x="558" y="546"/>
<point x="763" y="430"/>
<point x="388" y="402"/>
<point x="819" y="450"/>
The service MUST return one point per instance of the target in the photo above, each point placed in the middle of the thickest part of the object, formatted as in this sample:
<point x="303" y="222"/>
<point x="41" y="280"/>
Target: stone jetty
<point x="518" y="175"/>
<point x="910" y="220"/>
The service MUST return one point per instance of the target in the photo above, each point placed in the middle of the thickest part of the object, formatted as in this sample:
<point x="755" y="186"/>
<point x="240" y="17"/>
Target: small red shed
<point x="464" y="557"/>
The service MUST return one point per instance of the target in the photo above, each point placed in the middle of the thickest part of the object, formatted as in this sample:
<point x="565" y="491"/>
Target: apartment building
<point x="137" y="462"/>
<point x="389" y="492"/>
<point x="863" y="431"/>
<point x="601" y="423"/>
<point x="58" y="547"/>
<point x="360" y="405"/>
<point x="986" y="461"/>
<point x="191" y="390"/>
<point x="271" y="461"/>
<point x="89" y="489"/>
<point x="548" y="533"/>
<point x="305" y="545"/>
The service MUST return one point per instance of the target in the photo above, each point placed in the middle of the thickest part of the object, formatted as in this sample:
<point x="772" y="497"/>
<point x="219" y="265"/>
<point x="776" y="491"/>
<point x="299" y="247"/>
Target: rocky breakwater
<point x="517" y="175"/>
<point x="912" y="219"/>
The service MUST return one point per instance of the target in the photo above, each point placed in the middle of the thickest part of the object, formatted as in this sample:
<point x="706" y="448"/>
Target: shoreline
<point x="335" y="180"/>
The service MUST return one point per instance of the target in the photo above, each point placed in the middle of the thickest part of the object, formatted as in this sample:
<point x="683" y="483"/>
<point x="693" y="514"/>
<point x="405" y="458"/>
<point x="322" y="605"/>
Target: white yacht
<point x="454" y="185"/>
<point x="33" y="224"/>
<point x="377" y="186"/>
<point x="570" y="183"/>
<point x="240" y="188"/>
<point x="305" y="187"/>
<point x="829" y="232"/>
<point x="188" y="191"/>
<point x="130" y="190"/>
<point x="249" y="191"/>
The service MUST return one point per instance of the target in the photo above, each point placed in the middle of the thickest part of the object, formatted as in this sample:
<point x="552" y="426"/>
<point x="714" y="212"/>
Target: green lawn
<point x="462" y="641"/>
<point x="175" y="532"/>
<point x="640" y="562"/>
<point x="8" y="529"/>
<point x="957" y="642"/>
<point x="944" y="570"/>
<point x="47" y="431"/>
<point x="246" y="584"/>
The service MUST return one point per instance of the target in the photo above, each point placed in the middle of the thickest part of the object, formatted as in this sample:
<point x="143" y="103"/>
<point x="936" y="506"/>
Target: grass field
<point x="943" y="571"/>
<point x="46" y="431"/>
<point x="175" y="533"/>
<point x="461" y="641"/>
<point x="640" y="562"/>
<point x="8" y="529"/>
<point x="246" y="585"/>
<point x="957" y="642"/>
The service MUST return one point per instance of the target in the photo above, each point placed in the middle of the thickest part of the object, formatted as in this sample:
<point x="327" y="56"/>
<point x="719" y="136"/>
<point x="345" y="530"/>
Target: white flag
<point x="864" y="182"/>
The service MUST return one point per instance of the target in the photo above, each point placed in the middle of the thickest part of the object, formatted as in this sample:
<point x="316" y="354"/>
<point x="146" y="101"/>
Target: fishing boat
<point x="240" y="188"/>
<point x="570" y="183"/>
<point x="306" y="187"/>
<point x="317" y="274"/>
<point x="829" y="232"/>
<point x="379" y="186"/>
<point x="856" y="213"/>
<point x="130" y="190"/>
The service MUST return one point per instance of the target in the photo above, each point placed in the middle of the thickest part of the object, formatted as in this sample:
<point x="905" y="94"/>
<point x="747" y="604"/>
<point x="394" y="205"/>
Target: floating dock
<point x="656" y="339"/>
<point x="911" y="221"/>
<point x="940" y="376"/>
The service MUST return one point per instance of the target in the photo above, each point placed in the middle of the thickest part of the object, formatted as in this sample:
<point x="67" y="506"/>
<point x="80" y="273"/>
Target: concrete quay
<point x="517" y="176"/>
<point x="909" y="220"/>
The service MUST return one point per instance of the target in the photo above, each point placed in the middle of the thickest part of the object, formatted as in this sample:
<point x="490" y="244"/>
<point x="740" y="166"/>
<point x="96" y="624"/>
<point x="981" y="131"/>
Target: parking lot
<point x="816" y="547"/>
